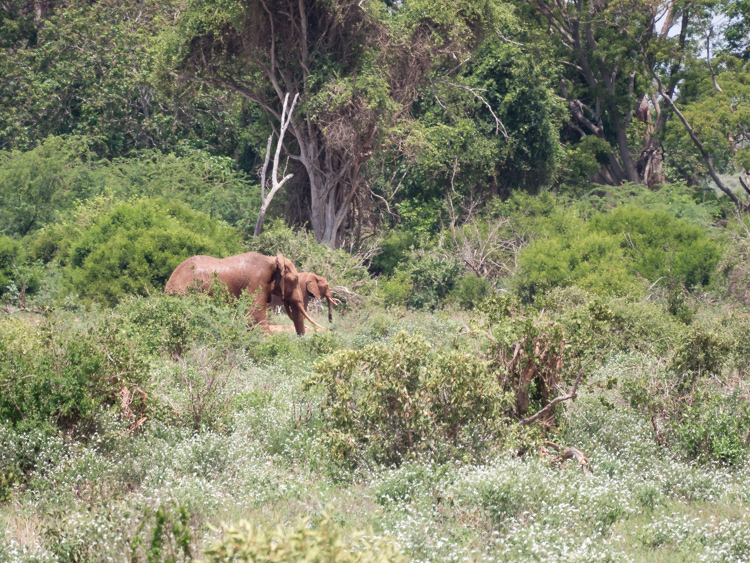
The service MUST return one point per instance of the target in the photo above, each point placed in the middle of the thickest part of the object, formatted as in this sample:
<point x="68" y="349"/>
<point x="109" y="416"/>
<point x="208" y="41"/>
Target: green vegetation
<point x="534" y="217"/>
<point x="302" y="543"/>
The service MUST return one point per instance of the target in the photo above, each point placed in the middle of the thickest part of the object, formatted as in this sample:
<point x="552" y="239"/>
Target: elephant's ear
<point x="313" y="289"/>
<point x="281" y="267"/>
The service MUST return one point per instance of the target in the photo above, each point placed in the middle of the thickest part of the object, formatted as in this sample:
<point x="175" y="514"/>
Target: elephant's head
<point x="287" y="286"/>
<point x="317" y="286"/>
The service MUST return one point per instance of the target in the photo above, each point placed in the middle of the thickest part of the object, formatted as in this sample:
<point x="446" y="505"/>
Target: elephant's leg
<point x="258" y="311"/>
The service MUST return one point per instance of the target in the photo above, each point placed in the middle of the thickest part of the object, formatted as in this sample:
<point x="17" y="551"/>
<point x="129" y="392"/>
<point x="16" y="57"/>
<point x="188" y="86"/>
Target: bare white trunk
<point x="276" y="184"/>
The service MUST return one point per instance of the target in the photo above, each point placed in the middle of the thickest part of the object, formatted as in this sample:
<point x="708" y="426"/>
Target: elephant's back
<point x="237" y="272"/>
<point x="188" y="270"/>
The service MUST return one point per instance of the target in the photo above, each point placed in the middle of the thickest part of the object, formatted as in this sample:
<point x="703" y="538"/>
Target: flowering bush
<point x="388" y="401"/>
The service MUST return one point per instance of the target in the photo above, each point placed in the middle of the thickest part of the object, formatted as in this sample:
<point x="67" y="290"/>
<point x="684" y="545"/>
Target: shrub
<point x="656" y="245"/>
<point x="207" y="183"/>
<point x="203" y="377"/>
<point x="394" y="251"/>
<point x="165" y="324"/>
<point x="713" y="426"/>
<point x="388" y="401"/>
<point x="322" y="543"/>
<point x="733" y="271"/>
<point x="36" y="185"/>
<point x="396" y="289"/>
<point x="690" y="409"/>
<point x="597" y="326"/>
<point x="54" y="376"/>
<point x="592" y="261"/>
<point x="18" y="274"/>
<point x="133" y="247"/>
<point x="471" y="290"/>
<point x="433" y="277"/>
<point x="609" y="252"/>
<point x="39" y="185"/>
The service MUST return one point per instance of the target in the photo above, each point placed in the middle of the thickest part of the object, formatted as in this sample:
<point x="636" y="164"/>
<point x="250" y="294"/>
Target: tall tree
<point x="606" y="81"/>
<point x="356" y="65"/>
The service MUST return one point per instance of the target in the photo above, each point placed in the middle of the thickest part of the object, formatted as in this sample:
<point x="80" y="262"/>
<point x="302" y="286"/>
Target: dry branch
<point x="565" y="453"/>
<point x="572" y="395"/>
<point x="276" y="184"/>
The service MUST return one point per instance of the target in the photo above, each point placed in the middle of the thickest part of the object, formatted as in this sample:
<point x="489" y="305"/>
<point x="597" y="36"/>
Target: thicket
<point x="107" y="249"/>
<point x="325" y="541"/>
<point x="390" y="401"/>
<point x="56" y="376"/>
<point x="618" y="244"/>
<point x="40" y="185"/>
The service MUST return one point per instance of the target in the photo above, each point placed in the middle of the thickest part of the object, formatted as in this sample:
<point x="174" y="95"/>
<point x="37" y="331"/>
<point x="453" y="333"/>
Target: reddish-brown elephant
<point x="312" y="286"/>
<point x="251" y="272"/>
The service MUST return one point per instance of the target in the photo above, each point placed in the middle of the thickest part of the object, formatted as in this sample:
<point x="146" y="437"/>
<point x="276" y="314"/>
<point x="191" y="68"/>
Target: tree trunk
<point x="627" y="159"/>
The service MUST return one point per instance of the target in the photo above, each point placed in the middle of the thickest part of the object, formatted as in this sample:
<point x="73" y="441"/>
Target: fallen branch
<point x="572" y="395"/>
<point x="565" y="453"/>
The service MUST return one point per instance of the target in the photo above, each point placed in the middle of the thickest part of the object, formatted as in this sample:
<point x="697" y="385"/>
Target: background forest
<point x="535" y="215"/>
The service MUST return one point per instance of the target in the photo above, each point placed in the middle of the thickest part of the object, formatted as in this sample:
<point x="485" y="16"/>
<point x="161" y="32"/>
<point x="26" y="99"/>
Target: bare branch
<point x="696" y="141"/>
<point x="744" y="185"/>
<point x="572" y="395"/>
<point x="276" y="184"/>
<point x="498" y="124"/>
<point x="708" y="33"/>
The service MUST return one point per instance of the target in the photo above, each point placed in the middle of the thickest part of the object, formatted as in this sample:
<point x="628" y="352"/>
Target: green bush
<point x="35" y="186"/>
<point x="325" y="542"/>
<point x="694" y="410"/>
<point x="657" y="245"/>
<point x="713" y="427"/>
<point x="17" y="271"/>
<point x="165" y="324"/>
<point x="696" y="205"/>
<point x="52" y="376"/>
<point x="433" y="277"/>
<point x="610" y="252"/>
<point x="394" y="252"/>
<point x="396" y="289"/>
<point x="133" y="247"/>
<point x="592" y="261"/>
<point x="732" y="275"/>
<point x="470" y="290"/>
<point x="597" y="326"/>
<point x="388" y="401"/>
<point x="207" y="183"/>
<point x="40" y="185"/>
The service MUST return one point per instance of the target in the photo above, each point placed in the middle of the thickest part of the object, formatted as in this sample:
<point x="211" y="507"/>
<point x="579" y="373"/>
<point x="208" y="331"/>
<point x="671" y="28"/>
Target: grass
<point x="98" y="498"/>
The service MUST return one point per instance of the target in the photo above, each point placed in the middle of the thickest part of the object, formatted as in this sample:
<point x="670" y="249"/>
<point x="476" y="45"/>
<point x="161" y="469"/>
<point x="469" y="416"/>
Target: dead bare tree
<point x="276" y="184"/>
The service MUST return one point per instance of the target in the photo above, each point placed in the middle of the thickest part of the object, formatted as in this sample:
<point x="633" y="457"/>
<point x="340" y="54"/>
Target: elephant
<point x="252" y="272"/>
<point x="311" y="285"/>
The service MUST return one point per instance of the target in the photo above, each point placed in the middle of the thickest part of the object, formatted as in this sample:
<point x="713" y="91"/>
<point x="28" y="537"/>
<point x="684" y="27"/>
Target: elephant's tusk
<point x="310" y="319"/>
<point x="335" y="301"/>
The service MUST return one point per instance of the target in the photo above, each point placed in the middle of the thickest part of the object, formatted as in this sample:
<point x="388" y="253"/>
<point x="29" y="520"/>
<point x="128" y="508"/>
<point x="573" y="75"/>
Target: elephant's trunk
<point x="329" y="298"/>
